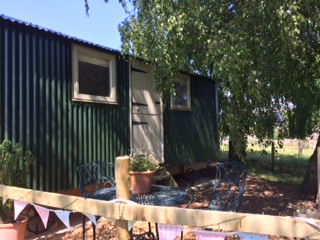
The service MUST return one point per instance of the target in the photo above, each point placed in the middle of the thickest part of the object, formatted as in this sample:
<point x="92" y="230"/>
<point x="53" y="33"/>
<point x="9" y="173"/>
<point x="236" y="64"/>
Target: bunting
<point x="168" y="231"/>
<point x="64" y="217"/>
<point x="308" y="221"/>
<point x="43" y="212"/>
<point x="92" y="218"/>
<point x="18" y="208"/>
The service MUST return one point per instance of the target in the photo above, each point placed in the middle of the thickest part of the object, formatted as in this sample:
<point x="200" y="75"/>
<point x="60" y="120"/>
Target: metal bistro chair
<point x="228" y="187"/>
<point x="94" y="176"/>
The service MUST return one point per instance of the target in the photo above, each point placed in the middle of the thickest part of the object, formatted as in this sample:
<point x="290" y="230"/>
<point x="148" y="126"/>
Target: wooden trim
<point x="254" y="223"/>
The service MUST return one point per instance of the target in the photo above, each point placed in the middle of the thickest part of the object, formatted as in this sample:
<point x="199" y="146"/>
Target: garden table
<point x="159" y="196"/>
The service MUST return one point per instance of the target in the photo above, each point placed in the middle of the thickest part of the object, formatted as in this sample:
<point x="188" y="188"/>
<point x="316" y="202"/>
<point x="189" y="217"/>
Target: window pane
<point x="94" y="79"/>
<point x="181" y="97"/>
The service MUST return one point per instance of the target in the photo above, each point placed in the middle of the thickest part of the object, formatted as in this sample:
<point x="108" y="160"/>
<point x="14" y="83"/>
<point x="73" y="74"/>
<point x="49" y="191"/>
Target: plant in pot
<point x="14" y="170"/>
<point x="143" y="165"/>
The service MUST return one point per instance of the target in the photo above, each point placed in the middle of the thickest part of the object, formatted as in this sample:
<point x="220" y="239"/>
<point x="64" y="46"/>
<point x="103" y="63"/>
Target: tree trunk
<point x="234" y="157"/>
<point x="310" y="182"/>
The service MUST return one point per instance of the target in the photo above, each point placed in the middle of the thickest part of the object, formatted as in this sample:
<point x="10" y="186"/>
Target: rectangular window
<point x="94" y="76"/>
<point x="181" y="99"/>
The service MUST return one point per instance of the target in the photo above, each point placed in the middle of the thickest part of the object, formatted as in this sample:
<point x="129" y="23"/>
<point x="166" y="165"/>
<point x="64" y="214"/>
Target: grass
<point x="289" y="168"/>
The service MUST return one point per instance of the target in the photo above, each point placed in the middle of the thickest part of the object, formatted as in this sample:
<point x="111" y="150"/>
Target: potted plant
<point x="14" y="169"/>
<point x="143" y="165"/>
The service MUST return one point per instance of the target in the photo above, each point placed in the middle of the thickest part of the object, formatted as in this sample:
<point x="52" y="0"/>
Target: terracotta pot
<point x="141" y="182"/>
<point x="14" y="231"/>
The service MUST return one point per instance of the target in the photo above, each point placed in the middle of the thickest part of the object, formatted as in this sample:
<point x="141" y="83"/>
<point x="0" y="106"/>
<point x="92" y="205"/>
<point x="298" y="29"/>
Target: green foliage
<point x="143" y="161"/>
<point x="14" y="170"/>
<point x="289" y="167"/>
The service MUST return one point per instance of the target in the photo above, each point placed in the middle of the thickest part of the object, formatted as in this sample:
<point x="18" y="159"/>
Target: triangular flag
<point x="18" y="207"/>
<point x="168" y="231"/>
<point x="309" y="221"/>
<point x="202" y="234"/>
<point x="92" y="218"/>
<point x="64" y="217"/>
<point x="44" y="214"/>
<point x="131" y="224"/>
<point x="4" y="200"/>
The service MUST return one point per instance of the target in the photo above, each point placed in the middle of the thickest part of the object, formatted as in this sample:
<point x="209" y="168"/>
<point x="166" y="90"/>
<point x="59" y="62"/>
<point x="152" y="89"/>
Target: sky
<point x="69" y="17"/>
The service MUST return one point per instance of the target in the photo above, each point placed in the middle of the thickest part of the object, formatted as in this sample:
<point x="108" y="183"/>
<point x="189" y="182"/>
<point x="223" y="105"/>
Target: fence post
<point x="272" y="156"/>
<point x="122" y="192"/>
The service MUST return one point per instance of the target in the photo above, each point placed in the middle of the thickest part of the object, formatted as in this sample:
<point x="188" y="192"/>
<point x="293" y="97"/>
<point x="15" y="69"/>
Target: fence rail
<point x="242" y="222"/>
<point x="123" y="212"/>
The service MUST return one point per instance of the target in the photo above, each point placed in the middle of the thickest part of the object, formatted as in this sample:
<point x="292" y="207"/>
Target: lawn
<point x="289" y="166"/>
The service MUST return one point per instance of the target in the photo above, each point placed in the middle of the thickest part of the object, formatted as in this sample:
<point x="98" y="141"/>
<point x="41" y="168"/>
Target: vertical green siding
<point x="36" y="110"/>
<point x="192" y="136"/>
<point x="36" y="107"/>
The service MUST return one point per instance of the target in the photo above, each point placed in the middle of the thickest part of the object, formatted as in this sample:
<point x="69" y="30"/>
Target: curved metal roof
<point x="18" y="21"/>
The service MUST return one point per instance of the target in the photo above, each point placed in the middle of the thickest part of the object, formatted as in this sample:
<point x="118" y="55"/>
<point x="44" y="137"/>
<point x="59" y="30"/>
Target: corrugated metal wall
<point x="192" y="136"/>
<point x="36" y="107"/>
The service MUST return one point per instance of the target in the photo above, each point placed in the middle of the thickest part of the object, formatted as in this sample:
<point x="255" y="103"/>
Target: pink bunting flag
<point x="18" y="207"/>
<point x="44" y="214"/>
<point x="64" y="217"/>
<point x="209" y="235"/>
<point x="168" y="231"/>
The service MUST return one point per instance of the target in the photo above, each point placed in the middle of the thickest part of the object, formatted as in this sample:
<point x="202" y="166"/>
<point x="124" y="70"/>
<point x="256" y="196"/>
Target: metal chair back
<point x="228" y="187"/>
<point x="94" y="176"/>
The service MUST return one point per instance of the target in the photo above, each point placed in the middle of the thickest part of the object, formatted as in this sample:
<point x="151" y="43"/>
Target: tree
<point x="264" y="55"/>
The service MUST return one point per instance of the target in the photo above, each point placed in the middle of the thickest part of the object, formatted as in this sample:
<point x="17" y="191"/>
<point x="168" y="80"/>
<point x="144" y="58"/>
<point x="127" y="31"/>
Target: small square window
<point x="181" y="99"/>
<point x="94" y="76"/>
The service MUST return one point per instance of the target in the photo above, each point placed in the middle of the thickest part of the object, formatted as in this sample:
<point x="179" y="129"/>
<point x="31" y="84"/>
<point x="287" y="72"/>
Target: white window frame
<point x="76" y="96"/>
<point x="186" y="78"/>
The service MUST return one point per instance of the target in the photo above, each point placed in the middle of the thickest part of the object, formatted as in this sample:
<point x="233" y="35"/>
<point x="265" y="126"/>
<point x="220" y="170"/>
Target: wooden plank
<point x="254" y="223"/>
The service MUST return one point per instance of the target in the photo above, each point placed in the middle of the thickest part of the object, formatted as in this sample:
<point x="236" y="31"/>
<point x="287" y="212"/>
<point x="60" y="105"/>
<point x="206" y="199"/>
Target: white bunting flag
<point x="18" y="207"/>
<point x="92" y="218"/>
<point x="309" y="221"/>
<point x="64" y="217"/>
<point x="4" y="200"/>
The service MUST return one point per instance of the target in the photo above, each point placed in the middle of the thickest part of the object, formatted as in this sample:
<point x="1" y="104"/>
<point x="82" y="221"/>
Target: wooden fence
<point x="123" y="212"/>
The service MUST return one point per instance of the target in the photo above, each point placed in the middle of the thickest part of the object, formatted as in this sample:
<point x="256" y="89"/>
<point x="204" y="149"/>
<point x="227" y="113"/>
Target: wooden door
<point x="147" y="125"/>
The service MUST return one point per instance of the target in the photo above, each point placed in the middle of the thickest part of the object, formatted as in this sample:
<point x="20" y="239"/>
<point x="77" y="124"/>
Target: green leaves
<point x="143" y="161"/>
<point x="14" y="169"/>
